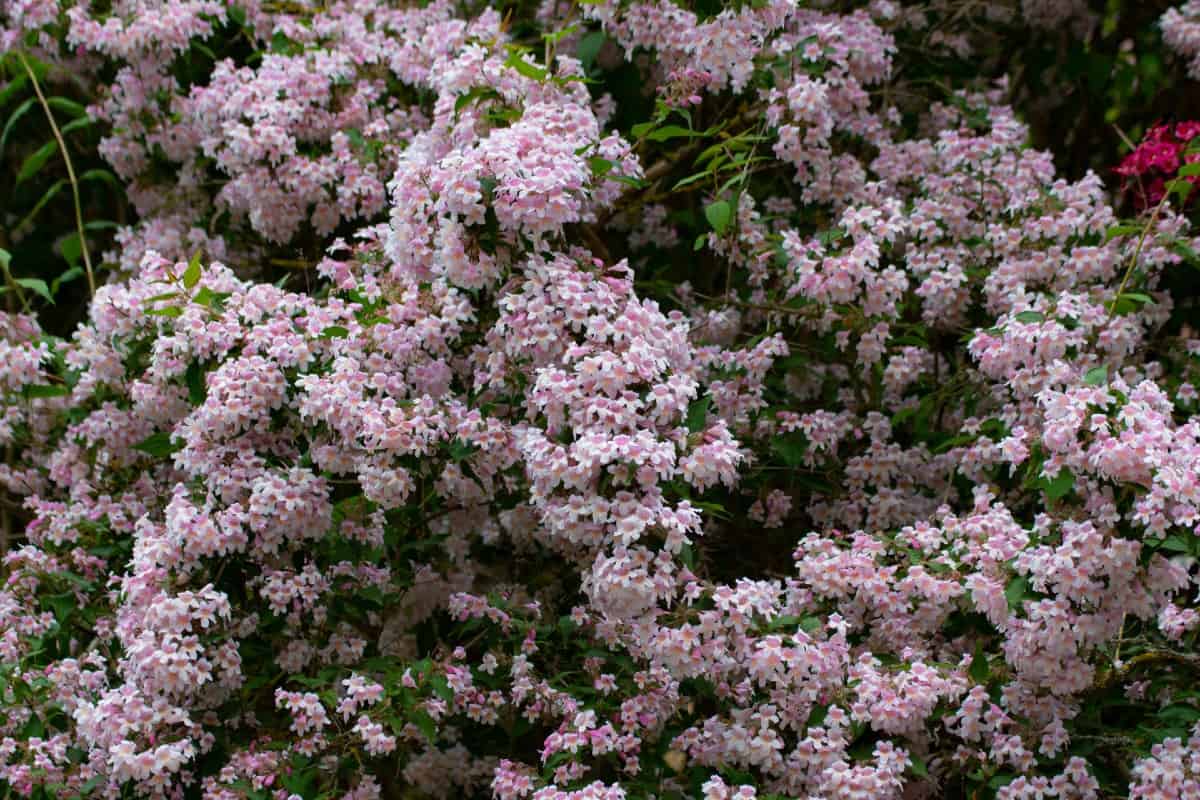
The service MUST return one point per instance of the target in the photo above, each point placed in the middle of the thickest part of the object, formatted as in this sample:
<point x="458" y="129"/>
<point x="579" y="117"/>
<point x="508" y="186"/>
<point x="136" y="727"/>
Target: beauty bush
<point x="597" y="401"/>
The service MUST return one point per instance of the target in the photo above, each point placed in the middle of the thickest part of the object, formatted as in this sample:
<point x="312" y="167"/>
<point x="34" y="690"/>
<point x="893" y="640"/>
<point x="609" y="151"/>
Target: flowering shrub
<point x="602" y="400"/>
<point x="1164" y="154"/>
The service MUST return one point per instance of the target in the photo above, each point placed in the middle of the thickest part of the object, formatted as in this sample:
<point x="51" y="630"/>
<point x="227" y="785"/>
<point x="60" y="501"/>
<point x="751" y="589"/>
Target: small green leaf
<point x="1189" y="170"/>
<point x="1180" y="187"/>
<point x="600" y="166"/>
<point x="1144" y="299"/>
<point x="1096" y="376"/>
<point x="441" y="687"/>
<point x="158" y="444"/>
<point x="12" y="88"/>
<point x="36" y="160"/>
<point x="1029" y="317"/>
<point x="718" y="215"/>
<point x="335" y="332"/>
<point x="1185" y="251"/>
<point x="41" y="203"/>
<point x="790" y="447"/>
<point x="589" y="48"/>
<point x="1176" y="544"/>
<point x="1124" y="229"/>
<point x="697" y="413"/>
<point x="1017" y="591"/>
<point x="642" y="128"/>
<point x="690" y="179"/>
<point x="38" y="286"/>
<point x="68" y="276"/>
<point x="72" y="249"/>
<point x="1060" y="485"/>
<point x="46" y="390"/>
<point x="422" y="720"/>
<point x="75" y="124"/>
<point x="91" y="785"/>
<point x="460" y="450"/>
<point x="104" y="176"/>
<point x="670" y="132"/>
<point x="515" y="61"/>
<point x="210" y="299"/>
<point x="191" y="275"/>
<point x="197" y="389"/>
<point x="13" y="118"/>
<point x="979" y="670"/>
<point x="66" y="106"/>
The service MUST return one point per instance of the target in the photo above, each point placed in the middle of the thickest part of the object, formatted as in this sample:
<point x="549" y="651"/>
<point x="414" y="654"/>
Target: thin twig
<point x="62" y="145"/>
<point x="1137" y="251"/>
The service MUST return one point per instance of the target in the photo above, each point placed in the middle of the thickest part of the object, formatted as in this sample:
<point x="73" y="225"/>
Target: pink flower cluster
<point x="879" y="500"/>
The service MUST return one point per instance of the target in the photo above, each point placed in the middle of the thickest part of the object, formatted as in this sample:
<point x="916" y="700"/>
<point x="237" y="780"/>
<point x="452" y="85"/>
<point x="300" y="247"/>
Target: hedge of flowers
<point x="597" y="400"/>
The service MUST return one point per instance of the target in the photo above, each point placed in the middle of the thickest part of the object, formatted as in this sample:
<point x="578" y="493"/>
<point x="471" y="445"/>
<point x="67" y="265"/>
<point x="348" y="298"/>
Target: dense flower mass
<point x="599" y="401"/>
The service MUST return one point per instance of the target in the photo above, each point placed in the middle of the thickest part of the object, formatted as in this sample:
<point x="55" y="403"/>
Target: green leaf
<point x="478" y="93"/>
<point x="75" y="124"/>
<point x="441" y="687"/>
<point x="1029" y="317"/>
<point x="1144" y="299"/>
<point x="67" y="106"/>
<point x="589" y="48"/>
<point x="1017" y="591"/>
<point x="191" y="275"/>
<point x="1185" y="251"/>
<point x="335" y="332"/>
<point x="671" y="132"/>
<point x="515" y="61"/>
<point x="697" y="413"/>
<point x="209" y="299"/>
<point x="1096" y="376"/>
<point x="197" y="390"/>
<point x="600" y="166"/>
<point x="46" y="390"/>
<point x="102" y="175"/>
<point x="1176" y="544"/>
<point x="790" y="447"/>
<point x="38" y="286"/>
<point x="41" y="203"/>
<point x="12" y="88"/>
<point x="169" y="311"/>
<point x="71" y="248"/>
<point x="422" y="720"/>
<point x="690" y="179"/>
<point x="642" y="128"/>
<point x="91" y="784"/>
<point x="36" y="160"/>
<point x="718" y="215"/>
<point x="68" y="276"/>
<point x="460" y="450"/>
<point x="979" y="670"/>
<point x="917" y="767"/>
<point x="158" y="444"/>
<point x="1189" y="170"/>
<point x="1180" y="187"/>
<point x="13" y="118"/>
<point x="1060" y="485"/>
